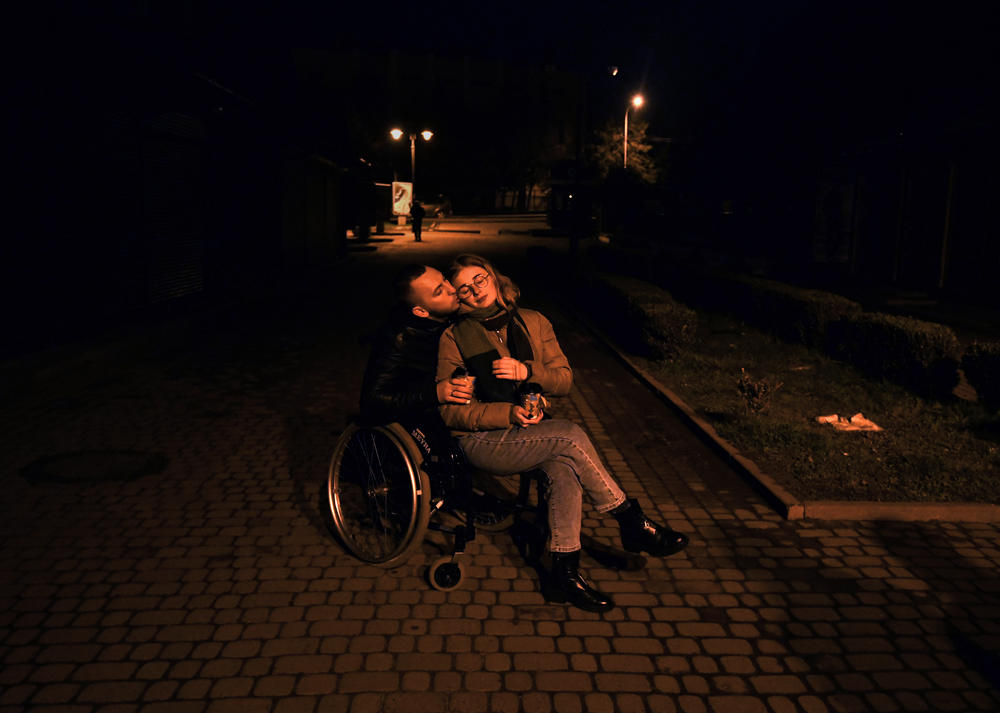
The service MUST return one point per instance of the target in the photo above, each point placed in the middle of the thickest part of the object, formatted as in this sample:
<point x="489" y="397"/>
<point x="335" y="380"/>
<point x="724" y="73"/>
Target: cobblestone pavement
<point x="214" y="586"/>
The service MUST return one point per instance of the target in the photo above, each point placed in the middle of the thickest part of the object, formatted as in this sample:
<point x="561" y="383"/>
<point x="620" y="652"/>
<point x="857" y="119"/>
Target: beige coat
<point x="550" y="369"/>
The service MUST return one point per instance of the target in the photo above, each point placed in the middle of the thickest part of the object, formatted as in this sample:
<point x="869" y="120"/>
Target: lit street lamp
<point x="426" y="135"/>
<point x="637" y="101"/>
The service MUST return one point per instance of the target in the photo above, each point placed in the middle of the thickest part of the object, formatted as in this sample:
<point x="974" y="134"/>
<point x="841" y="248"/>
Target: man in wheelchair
<point x="400" y="384"/>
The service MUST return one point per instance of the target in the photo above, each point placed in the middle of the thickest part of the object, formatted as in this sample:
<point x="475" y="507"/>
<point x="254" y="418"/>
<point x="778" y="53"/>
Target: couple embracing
<point x="467" y="321"/>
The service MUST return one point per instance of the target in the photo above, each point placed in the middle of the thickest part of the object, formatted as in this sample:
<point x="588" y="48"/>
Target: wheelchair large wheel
<point x="379" y="496"/>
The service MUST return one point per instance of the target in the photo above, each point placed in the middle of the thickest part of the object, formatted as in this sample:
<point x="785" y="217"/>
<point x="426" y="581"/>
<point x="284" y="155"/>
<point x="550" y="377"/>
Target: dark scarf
<point x="478" y="352"/>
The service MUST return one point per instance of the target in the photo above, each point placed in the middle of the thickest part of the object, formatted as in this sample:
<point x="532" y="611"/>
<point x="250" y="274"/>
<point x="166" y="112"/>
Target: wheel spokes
<point x="375" y="495"/>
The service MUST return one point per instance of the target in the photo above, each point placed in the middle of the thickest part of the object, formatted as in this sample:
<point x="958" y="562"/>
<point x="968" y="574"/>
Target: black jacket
<point x="399" y="380"/>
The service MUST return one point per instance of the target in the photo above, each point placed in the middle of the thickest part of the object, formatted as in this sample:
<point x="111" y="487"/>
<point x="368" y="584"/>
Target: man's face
<point x="434" y="297"/>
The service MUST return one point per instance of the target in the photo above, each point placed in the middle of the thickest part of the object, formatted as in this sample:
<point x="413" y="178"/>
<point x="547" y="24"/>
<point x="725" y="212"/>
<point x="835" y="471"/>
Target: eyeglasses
<point x="478" y="282"/>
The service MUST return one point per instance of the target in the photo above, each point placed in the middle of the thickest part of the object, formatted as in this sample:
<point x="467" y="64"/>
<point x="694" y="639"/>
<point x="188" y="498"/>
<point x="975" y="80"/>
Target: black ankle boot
<point x="639" y="533"/>
<point x="566" y="584"/>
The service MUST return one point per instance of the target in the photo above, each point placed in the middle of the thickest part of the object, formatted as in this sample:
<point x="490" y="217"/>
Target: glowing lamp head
<point x="396" y="134"/>
<point x="427" y="134"/>
<point x="638" y="100"/>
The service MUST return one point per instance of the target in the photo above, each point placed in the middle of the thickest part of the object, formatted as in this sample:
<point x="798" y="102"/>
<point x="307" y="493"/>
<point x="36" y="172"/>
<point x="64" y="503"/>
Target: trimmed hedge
<point x="921" y="356"/>
<point x="981" y="364"/>
<point x="646" y="317"/>
<point x="794" y="314"/>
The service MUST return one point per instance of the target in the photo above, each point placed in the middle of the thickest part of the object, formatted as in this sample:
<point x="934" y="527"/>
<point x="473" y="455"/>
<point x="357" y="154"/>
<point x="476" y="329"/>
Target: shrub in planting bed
<point x="792" y="313"/>
<point x="981" y="363"/>
<point x="646" y="317"/>
<point x="920" y="356"/>
<point x="795" y="314"/>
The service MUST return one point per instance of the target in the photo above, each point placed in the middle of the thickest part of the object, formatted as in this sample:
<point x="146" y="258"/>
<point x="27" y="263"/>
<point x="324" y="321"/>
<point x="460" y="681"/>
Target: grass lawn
<point x="928" y="451"/>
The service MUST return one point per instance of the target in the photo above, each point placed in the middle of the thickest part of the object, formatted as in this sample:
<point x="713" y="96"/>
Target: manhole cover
<point x="94" y="466"/>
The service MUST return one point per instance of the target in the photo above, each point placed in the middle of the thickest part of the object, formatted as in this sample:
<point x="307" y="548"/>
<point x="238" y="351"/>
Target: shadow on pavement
<point x="963" y="582"/>
<point x="901" y="614"/>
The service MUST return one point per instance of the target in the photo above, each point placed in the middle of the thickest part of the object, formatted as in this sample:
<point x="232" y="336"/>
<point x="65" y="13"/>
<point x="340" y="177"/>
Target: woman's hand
<point x="457" y="390"/>
<point x="519" y="417"/>
<point x="510" y="368"/>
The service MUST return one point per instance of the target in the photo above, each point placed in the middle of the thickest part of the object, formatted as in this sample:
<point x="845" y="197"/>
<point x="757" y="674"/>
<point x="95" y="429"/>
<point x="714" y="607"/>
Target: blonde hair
<point x="507" y="291"/>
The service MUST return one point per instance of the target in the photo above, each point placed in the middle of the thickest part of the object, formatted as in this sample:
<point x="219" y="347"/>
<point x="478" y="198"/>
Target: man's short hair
<point x="402" y="284"/>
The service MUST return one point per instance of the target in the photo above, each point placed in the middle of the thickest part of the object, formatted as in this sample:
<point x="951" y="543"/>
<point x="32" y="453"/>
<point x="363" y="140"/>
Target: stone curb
<point x="784" y="502"/>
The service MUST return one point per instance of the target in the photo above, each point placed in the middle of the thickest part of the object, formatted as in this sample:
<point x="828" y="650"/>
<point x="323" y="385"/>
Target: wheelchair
<point x="387" y="485"/>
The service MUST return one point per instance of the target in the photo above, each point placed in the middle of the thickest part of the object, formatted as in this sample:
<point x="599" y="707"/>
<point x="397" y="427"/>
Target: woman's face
<point x="475" y="288"/>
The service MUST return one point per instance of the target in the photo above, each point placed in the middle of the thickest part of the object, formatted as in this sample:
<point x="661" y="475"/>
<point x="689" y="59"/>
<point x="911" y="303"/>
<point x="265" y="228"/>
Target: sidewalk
<point x="213" y="585"/>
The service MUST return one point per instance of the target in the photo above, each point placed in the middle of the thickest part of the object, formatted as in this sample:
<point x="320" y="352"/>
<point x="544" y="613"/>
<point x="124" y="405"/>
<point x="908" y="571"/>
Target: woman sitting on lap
<point x="505" y="348"/>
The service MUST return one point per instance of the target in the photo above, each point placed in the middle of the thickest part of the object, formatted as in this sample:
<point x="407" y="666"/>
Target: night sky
<point x="861" y="68"/>
<point x="797" y="72"/>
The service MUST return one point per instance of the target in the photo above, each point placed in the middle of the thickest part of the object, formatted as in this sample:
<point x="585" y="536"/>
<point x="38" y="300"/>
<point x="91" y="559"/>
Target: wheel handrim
<point x="373" y="495"/>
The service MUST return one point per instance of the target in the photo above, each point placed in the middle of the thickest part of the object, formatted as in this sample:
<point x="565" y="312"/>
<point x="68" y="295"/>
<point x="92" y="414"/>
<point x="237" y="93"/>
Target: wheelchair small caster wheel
<point x="446" y="574"/>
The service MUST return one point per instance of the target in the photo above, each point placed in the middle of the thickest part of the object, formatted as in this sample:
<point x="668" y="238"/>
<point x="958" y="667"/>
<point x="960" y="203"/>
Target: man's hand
<point x="519" y="417"/>
<point x="510" y="368"/>
<point x="455" y="391"/>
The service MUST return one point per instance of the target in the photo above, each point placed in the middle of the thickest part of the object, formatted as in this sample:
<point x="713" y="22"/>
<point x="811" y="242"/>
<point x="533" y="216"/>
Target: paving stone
<point x="215" y="585"/>
<point x="736" y="704"/>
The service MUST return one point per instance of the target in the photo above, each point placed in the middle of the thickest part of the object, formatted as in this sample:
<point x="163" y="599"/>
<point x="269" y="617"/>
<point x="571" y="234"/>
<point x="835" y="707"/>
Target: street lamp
<point x="637" y="101"/>
<point x="426" y="135"/>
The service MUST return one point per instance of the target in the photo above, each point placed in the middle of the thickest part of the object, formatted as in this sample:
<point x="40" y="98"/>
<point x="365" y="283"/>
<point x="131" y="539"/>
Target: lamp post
<point x="637" y="101"/>
<point x="426" y="135"/>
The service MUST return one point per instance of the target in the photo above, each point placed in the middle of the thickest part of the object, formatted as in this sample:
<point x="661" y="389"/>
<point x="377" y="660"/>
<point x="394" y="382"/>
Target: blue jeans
<point x="564" y="452"/>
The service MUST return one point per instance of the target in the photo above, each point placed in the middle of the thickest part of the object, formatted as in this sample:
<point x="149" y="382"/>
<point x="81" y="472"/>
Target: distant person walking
<point x="417" y="216"/>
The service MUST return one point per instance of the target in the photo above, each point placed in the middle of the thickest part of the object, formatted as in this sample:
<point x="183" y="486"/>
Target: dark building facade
<point x="146" y="184"/>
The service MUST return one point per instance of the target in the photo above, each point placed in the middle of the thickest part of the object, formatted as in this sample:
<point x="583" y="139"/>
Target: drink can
<point x="462" y="373"/>
<point x="531" y="400"/>
<point x="530" y="403"/>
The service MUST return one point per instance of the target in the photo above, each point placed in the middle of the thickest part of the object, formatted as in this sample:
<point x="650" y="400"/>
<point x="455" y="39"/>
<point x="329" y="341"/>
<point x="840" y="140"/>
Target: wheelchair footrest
<point x="463" y="534"/>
